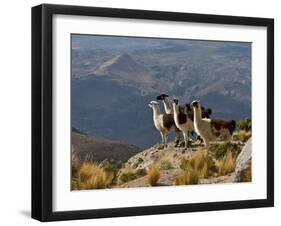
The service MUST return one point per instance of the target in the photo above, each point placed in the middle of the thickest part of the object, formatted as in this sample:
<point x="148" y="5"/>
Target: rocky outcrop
<point x="153" y="155"/>
<point x="244" y="163"/>
<point x="170" y="163"/>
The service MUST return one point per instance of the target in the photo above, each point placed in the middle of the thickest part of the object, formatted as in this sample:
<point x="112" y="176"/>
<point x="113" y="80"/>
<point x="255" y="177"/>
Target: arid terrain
<point x="224" y="162"/>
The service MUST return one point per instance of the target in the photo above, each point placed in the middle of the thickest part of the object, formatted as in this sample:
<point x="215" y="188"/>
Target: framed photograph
<point x="145" y="112"/>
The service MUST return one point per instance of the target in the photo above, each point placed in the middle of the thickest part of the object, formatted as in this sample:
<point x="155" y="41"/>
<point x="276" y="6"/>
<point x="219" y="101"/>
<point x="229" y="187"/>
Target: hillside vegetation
<point x="158" y="166"/>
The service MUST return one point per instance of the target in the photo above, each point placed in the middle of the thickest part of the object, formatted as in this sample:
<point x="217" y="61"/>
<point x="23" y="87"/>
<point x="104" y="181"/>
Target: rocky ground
<point x="224" y="162"/>
<point x="169" y="161"/>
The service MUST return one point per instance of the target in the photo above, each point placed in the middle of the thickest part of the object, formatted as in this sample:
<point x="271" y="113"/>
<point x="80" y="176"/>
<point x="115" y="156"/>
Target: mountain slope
<point x="98" y="149"/>
<point x="124" y="69"/>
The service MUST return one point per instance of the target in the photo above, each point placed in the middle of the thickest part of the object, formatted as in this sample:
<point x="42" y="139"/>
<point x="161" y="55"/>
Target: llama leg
<point x="163" y="138"/>
<point x="177" y="139"/>
<point x="166" y="140"/>
<point x="185" y="135"/>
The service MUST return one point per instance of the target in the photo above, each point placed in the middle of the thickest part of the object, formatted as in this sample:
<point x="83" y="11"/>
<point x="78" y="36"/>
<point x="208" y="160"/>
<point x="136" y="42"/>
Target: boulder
<point x="243" y="170"/>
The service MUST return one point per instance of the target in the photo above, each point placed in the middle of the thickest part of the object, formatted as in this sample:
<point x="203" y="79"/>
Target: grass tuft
<point x="92" y="176"/>
<point x="153" y="175"/>
<point x="200" y="165"/>
<point x="188" y="177"/>
<point x="226" y="164"/>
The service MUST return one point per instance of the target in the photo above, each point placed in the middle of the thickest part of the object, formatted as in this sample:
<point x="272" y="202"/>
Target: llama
<point x="210" y="129"/>
<point x="164" y="123"/>
<point x="182" y="121"/>
<point x="205" y="114"/>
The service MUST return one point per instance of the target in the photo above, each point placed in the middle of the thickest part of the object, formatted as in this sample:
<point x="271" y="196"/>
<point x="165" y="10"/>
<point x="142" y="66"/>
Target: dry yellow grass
<point x="92" y="176"/>
<point x="226" y="164"/>
<point x="153" y="175"/>
<point x="244" y="135"/>
<point x="199" y="162"/>
<point x="188" y="177"/>
<point x="198" y="166"/>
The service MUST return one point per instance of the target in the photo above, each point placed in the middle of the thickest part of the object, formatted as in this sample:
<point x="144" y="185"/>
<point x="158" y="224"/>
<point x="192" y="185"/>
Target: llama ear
<point x="160" y="97"/>
<point x="209" y="111"/>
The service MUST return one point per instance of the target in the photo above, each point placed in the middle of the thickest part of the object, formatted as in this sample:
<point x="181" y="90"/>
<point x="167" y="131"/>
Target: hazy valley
<point x="113" y="80"/>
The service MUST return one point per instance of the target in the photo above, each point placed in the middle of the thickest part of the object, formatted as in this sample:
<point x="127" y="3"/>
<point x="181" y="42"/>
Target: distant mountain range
<point x="114" y="78"/>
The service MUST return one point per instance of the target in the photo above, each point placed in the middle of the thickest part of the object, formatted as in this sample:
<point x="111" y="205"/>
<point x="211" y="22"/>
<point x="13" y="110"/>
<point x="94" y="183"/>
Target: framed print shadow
<point x="145" y="112"/>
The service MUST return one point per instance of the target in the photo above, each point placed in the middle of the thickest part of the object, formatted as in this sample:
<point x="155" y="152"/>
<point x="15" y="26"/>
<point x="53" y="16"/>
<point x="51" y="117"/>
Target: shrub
<point x="219" y="150"/>
<point x="245" y="124"/>
<point x="166" y="164"/>
<point x="141" y="172"/>
<point x="112" y="166"/>
<point x="159" y="146"/>
<point x="226" y="164"/>
<point x="92" y="176"/>
<point x="153" y="175"/>
<point x="127" y="175"/>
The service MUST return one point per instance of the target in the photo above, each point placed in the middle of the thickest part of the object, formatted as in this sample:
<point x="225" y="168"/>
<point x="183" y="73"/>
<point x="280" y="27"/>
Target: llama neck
<point x="176" y="108"/>
<point x="156" y="111"/>
<point x="197" y="114"/>
<point x="167" y="105"/>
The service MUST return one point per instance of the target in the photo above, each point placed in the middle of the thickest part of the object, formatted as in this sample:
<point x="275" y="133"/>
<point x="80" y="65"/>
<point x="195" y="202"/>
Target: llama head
<point x="162" y="97"/>
<point x="175" y="101"/>
<point x="153" y="104"/>
<point x="196" y="104"/>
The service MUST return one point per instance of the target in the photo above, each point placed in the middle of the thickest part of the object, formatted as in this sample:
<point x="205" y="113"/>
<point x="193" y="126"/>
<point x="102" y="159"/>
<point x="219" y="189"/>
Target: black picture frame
<point x="42" y="107"/>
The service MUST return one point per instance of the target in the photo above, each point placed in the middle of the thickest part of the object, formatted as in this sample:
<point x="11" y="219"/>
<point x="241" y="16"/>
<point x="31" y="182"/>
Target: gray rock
<point x="244" y="161"/>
